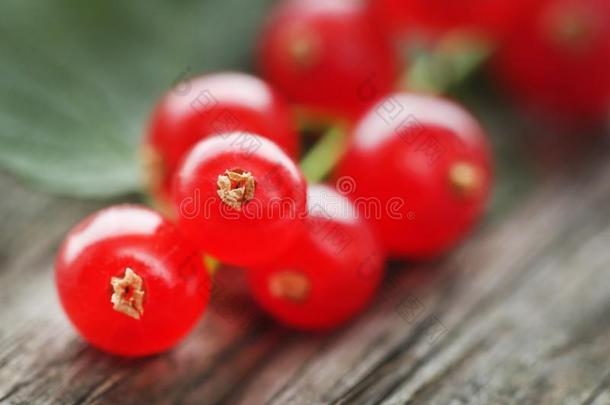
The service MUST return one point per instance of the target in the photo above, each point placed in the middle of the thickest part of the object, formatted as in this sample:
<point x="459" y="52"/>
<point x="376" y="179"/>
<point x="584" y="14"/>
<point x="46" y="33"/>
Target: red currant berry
<point x="327" y="56"/>
<point x="239" y="197"/>
<point x="425" y="162"/>
<point x="129" y="282"/>
<point x="208" y="105"/>
<point x="558" y="62"/>
<point x="490" y="19"/>
<point x="331" y="272"/>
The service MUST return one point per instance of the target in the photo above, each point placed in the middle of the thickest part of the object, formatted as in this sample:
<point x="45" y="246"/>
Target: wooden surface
<point x="520" y="314"/>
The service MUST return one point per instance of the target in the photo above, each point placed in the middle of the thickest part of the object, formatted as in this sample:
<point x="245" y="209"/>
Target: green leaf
<point x="78" y="79"/>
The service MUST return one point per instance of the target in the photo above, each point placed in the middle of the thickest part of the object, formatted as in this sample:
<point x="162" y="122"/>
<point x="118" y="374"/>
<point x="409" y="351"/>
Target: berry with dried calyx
<point x="130" y="283"/>
<point x="556" y="64"/>
<point x="431" y="172"/>
<point x="329" y="275"/>
<point x="328" y="56"/>
<point x="239" y="197"/>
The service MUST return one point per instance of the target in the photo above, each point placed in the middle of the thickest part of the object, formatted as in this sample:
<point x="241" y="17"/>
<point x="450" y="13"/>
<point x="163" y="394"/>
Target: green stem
<point x="450" y="64"/>
<point x="325" y="154"/>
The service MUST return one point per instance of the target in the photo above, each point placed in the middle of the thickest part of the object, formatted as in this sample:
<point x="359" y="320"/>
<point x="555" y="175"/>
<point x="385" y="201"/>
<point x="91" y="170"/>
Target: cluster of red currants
<point x="413" y="178"/>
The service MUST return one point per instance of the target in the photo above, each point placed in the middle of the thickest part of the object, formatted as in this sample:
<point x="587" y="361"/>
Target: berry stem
<point x="451" y="62"/>
<point x="324" y="155"/>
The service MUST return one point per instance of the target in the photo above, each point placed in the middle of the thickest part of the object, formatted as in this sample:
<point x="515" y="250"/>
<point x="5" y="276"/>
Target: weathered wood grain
<point x="518" y="315"/>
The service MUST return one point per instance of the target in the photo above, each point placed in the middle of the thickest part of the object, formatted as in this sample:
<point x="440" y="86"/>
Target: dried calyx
<point x="128" y="294"/>
<point x="465" y="178"/>
<point x="290" y="285"/>
<point x="236" y="187"/>
<point x="303" y="48"/>
<point x="572" y="27"/>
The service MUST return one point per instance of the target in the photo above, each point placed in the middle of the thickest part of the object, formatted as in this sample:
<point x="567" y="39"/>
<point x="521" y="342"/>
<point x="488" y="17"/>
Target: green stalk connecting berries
<point x="324" y="155"/>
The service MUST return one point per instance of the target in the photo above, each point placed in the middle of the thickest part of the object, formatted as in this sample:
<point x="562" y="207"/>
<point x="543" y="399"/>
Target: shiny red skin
<point x="260" y="229"/>
<point x="214" y="103"/>
<point x="176" y="283"/>
<point x="567" y="81"/>
<point x="337" y="253"/>
<point x="491" y="19"/>
<point x="400" y="155"/>
<point x="353" y="63"/>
